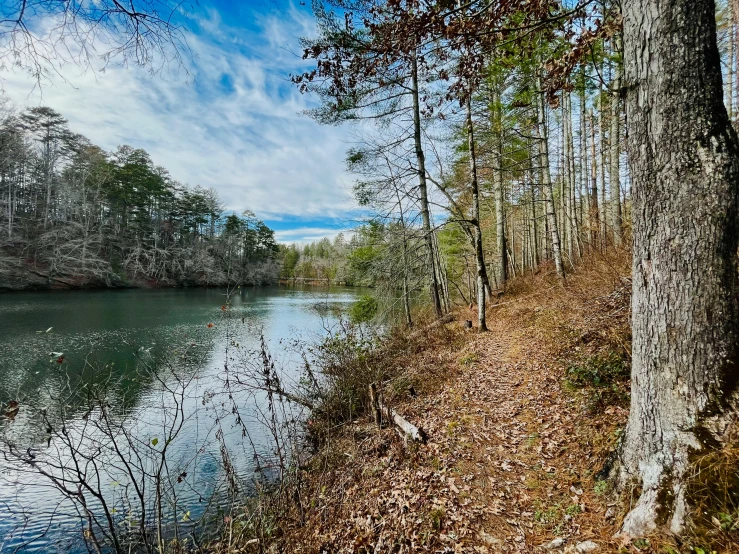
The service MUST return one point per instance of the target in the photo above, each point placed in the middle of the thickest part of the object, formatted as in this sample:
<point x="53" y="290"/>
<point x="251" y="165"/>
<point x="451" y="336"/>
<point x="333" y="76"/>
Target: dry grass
<point x="713" y="493"/>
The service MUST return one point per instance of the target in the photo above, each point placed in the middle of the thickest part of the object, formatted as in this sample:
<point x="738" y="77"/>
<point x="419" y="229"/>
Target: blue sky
<point x="232" y="120"/>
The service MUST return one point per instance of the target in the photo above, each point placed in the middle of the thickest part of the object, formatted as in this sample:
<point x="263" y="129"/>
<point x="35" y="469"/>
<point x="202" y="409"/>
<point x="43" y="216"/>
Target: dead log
<point x="403" y="426"/>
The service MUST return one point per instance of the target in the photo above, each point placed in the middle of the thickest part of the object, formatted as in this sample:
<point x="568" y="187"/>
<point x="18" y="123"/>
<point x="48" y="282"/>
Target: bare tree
<point x="39" y="35"/>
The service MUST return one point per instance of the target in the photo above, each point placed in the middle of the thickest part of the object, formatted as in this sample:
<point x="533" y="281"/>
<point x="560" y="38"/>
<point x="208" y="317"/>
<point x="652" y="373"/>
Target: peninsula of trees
<point x="74" y="215"/>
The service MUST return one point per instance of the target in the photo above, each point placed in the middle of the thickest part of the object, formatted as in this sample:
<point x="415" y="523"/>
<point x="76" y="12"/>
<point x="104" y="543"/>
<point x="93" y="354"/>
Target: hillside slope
<point x="522" y="421"/>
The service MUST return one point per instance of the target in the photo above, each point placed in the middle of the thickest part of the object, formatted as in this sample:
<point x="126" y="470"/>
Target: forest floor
<point x="520" y="422"/>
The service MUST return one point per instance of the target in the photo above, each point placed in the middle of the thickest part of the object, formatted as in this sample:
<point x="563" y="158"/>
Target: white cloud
<point x="234" y="126"/>
<point x="306" y="235"/>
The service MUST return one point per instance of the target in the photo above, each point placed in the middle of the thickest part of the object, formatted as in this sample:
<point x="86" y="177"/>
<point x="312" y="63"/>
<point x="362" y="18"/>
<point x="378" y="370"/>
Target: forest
<point x="77" y="216"/>
<point x="475" y="166"/>
<point x="499" y="139"/>
<point x="551" y="201"/>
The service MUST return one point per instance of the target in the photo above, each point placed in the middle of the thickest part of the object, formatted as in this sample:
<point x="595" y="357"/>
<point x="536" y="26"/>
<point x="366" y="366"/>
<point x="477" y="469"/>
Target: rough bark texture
<point x="602" y="137"/>
<point x="501" y="269"/>
<point x="585" y="215"/>
<point x="594" y="217"/>
<point x="479" y="254"/>
<point x="568" y="182"/>
<point x="685" y="178"/>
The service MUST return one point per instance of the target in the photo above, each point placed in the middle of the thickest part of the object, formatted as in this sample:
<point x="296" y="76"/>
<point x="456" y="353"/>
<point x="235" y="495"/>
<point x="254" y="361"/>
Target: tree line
<point x="475" y="165"/>
<point x="76" y="215"/>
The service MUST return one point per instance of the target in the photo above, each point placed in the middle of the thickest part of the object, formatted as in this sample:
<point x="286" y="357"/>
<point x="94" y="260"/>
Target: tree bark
<point x="730" y="60"/>
<point x="585" y="214"/>
<point x="547" y="181"/>
<point x="479" y="255"/>
<point x="406" y="292"/>
<point x="603" y="214"/>
<point x="593" y="223"/>
<point x="734" y="76"/>
<point x="734" y="7"/>
<point x="615" y="144"/>
<point x="534" y="223"/>
<point x="423" y="188"/>
<point x="567" y="178"/>
<point x="684" y="161"/>
<point x="501" y="270"/>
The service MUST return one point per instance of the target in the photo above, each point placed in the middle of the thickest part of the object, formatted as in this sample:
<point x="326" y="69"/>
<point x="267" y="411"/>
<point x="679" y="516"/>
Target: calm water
<point x="136" y="345"/>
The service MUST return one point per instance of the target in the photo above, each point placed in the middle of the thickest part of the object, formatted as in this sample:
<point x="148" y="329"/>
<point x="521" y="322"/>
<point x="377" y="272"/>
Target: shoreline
<point x="41" y="283"/>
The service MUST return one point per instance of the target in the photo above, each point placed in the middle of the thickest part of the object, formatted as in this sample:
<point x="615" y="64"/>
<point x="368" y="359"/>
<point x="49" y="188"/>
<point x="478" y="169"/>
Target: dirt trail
<point x="507" y="467"/>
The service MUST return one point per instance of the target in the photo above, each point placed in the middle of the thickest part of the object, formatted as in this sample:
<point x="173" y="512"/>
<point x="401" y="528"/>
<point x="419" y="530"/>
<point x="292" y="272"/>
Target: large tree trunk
<point x="568" y="179"/>
<point x="423" y="189"/>
<point x="534" y="223"/>
<point x="501" y="269"/>
<point x="585" y="215"/>
<point x="501" y="262"/>
<point x="593" y="218"/>
<point x="603" y="214"/>
<point x="685" y="179"/>
<point x="404" y="239"/>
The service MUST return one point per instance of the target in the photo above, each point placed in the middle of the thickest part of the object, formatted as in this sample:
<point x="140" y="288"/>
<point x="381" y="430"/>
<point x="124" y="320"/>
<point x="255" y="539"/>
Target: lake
<point x="173" y="371"/>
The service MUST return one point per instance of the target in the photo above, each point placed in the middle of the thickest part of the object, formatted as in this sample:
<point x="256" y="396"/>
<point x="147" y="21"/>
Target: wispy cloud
<point x="306" y="235"/>
<point x="235" y="125"/>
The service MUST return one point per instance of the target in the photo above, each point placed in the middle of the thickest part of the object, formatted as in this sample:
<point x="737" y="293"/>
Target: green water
<point x="115" y="337"/>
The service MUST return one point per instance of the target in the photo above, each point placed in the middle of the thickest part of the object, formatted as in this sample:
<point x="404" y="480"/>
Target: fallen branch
<point x="402" y="425"/>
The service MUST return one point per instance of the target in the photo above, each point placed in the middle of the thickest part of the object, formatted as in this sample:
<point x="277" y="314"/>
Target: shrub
<point x="363" y="310"/>
<point x="600" y="371"/>
<point x="605" y="376"/>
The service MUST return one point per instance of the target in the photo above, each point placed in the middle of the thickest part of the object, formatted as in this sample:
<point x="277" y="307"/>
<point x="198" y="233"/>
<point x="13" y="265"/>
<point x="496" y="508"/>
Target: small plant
<point x="604" y="376"/>
<point x="728" y="522"/>
<point x="600" y="371"/>
<point x="469" y="358"/>
<point x="532" y="440"/>
<point x="600" y="488"/>
<point x="573" y="510"/>
<point x="437" y="518"/>
<point x="641" y="544"/>
<point x="549" y="515"/>
<point x="532" y="484"/>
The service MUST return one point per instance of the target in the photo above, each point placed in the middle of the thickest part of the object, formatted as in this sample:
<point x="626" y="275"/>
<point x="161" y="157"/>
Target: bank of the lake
<point x="522" y="425"/>
<point x="18" y="275"/>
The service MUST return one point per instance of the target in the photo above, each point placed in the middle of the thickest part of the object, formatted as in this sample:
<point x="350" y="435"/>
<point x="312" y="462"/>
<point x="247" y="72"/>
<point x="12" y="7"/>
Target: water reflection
<point x="137" y="365"/>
